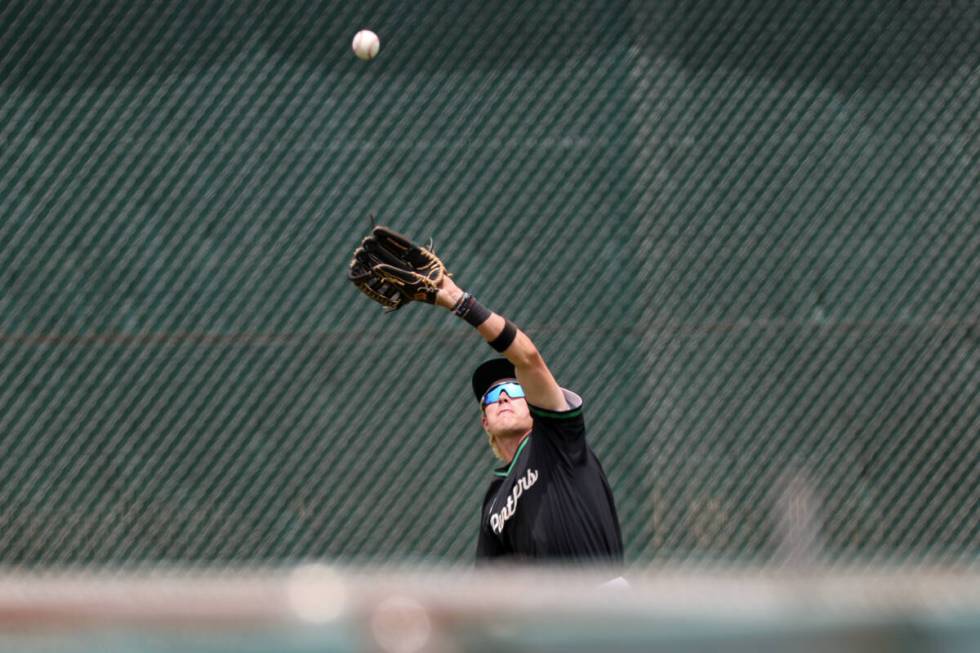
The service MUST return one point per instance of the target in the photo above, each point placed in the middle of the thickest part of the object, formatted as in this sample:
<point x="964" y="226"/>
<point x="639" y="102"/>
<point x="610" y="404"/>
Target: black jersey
<point x="552" y="502"/>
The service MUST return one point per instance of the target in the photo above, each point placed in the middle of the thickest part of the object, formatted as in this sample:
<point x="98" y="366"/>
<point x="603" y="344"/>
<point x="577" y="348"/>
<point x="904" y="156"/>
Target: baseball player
<point x="549" y="500"/>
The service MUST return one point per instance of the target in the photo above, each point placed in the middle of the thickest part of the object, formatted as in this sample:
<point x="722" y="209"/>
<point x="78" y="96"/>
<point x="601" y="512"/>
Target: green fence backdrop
<point x="745" y="232"/>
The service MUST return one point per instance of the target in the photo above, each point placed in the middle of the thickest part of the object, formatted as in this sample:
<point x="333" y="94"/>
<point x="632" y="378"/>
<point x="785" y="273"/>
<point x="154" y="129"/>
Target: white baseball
<point x="366" y="44"/>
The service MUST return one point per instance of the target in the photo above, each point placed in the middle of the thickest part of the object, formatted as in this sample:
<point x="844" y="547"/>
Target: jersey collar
<point x="504" y="470"/>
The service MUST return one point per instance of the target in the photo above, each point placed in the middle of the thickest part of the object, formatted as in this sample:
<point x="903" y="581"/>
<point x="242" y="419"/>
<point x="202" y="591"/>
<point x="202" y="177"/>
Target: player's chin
<point x="514" y="421"/>
<point x="508" y="420"/>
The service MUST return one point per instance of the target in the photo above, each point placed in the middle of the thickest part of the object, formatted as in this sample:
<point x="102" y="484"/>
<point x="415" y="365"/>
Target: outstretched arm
<point x="393" y="271"/>
<point x="539" y="385"/>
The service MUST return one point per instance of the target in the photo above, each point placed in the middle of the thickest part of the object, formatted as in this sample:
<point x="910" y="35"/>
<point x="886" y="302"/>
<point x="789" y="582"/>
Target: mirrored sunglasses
<point x="513" y="390"/>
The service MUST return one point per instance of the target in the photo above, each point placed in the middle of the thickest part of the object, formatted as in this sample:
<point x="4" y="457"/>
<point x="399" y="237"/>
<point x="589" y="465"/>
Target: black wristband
<point x="458" y="306"/>
<point x="506" y="337"/>
<point x="471" y="310"/>
<point x="459" y="302"/>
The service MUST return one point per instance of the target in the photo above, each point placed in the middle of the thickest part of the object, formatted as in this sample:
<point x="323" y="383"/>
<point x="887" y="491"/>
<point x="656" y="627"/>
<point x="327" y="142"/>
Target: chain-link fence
<point x="746" y="233"/>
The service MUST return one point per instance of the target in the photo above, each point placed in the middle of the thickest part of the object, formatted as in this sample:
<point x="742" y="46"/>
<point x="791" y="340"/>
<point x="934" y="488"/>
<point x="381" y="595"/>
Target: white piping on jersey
<point x="521" y="486"/>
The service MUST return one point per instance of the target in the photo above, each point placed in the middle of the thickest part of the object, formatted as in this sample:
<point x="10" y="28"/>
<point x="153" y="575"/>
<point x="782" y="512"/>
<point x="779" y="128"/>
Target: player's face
<point x="507" y="415"/>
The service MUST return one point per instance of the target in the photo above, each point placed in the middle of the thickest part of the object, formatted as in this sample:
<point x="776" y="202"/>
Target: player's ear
<point x="483" y="420"/>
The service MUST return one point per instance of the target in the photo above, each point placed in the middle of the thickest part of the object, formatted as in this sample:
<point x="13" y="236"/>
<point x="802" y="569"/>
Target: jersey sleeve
<point x="565" y="429"/>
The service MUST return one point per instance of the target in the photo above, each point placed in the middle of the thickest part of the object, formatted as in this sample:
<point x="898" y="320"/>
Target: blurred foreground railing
<point x="319" y="608"/>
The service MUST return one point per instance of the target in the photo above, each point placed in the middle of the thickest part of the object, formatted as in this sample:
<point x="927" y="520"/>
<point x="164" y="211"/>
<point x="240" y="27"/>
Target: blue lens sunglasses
<point x="513" y="390"/>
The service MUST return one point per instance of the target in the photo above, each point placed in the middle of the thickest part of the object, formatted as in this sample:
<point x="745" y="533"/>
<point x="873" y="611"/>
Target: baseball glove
<point x="393" y="271"/>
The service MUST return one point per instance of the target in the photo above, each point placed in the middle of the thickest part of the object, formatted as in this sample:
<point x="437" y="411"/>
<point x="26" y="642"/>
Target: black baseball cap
<point x="489" y="372"/>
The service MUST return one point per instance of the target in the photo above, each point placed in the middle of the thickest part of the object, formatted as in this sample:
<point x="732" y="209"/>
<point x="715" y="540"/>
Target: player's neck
<point x="509" y="444"/>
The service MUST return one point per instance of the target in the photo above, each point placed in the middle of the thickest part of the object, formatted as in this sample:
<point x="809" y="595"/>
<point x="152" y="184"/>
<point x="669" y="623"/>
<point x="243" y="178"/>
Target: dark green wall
<point x="747" y="233"/>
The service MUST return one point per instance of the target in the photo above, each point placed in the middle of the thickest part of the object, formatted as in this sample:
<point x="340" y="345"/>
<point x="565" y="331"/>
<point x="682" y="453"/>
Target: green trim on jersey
<point x="568" y="414"/>
<point x="513" y="461"/>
